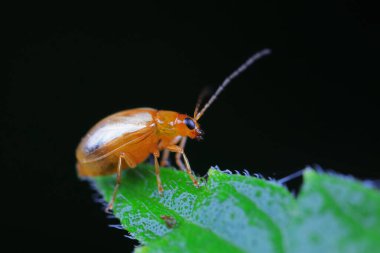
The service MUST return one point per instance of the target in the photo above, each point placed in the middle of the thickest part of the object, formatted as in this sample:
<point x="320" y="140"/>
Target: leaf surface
<point x="235" y="213"/>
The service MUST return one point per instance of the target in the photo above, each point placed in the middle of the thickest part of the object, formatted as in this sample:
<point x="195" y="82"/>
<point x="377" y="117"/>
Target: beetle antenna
<point x="232" y="76"/>
<point x="205" y="92"/>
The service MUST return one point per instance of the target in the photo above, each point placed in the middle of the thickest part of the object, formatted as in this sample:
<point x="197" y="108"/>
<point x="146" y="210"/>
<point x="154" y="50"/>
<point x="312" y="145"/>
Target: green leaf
<point x="235" y="213"/>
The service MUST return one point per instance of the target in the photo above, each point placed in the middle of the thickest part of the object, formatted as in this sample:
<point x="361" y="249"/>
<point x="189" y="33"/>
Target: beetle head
<point x="188" y="126"/>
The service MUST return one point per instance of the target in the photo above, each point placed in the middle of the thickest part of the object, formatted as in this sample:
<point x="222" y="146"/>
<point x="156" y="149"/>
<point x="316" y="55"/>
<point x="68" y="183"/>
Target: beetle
<point x="127" y="138"/>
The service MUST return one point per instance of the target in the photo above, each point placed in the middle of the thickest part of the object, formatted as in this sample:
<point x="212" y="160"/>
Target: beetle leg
<point x="118" y="180"/>
<point x="165" y="158"/>
<point x="178" y="154"/>
<point x="131" y="164"/>
<point x="178" y="149"/>
<point x="165" y="155"/>
<point x="156" y="154"/>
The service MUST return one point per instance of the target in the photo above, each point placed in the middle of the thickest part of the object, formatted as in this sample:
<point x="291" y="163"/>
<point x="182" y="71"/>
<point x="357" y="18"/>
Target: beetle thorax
<point x="166" y="123"/>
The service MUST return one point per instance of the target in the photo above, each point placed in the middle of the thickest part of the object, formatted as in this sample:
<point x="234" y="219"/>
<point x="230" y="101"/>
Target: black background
<point x="313" y="101"/>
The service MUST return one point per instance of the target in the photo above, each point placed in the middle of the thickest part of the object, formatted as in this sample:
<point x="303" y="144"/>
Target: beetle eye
<point x="189" y="123"/>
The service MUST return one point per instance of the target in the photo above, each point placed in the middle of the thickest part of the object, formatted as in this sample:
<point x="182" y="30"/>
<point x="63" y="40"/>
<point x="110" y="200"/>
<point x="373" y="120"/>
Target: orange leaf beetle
<point x="127" y="138"/>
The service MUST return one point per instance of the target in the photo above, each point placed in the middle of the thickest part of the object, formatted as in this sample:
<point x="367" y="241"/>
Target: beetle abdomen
<point x="135" y="153"/>
<point x="128" y="131"/>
